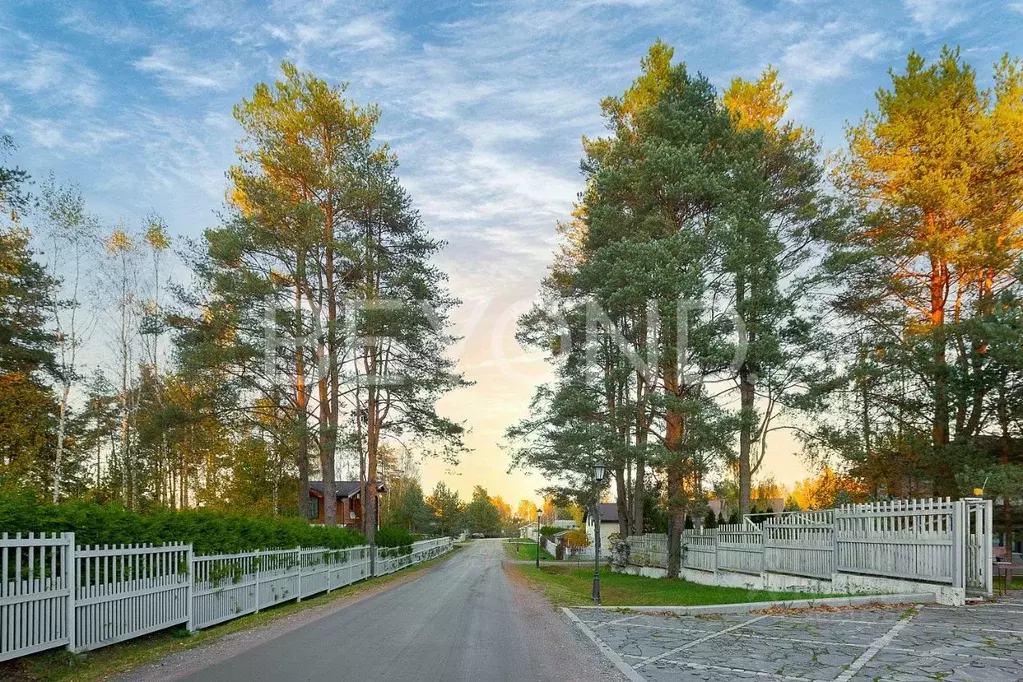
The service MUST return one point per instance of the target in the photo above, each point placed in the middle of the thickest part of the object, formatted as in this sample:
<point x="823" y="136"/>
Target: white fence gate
<point x="898" y="539"/>
<point x="979" y="556"/>
<point x="53" y="594"/>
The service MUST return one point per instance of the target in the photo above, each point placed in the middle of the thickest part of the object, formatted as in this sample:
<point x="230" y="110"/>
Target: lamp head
<point x="598" y="471"/>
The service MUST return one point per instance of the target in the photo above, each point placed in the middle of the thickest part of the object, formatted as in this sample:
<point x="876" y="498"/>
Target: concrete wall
<point x="840" y="583"/>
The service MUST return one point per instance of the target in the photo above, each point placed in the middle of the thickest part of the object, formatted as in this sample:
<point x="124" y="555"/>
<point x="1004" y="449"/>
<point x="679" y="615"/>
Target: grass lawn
<point x="524" y="549"/>
<point x="59" y="664"/>
<point x="571" y="586"/>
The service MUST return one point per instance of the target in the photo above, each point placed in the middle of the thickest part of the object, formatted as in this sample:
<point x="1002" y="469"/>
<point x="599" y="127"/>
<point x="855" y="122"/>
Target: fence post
<point x="191" y="587"/>
<point x="299" y="550"/>
<point x="258" y="565"/>
<point x="989" y="535"/>
<point x="834" y="541"/>
<point x="959" y="531"/>
<point x="71" y="580"/>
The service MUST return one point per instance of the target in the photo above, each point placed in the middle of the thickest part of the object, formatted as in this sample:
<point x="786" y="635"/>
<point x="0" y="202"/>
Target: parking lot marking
<point x="695" y="642"/>
<point x="741" y="671"/>
<point x="616" y="621"/>
<point x="611" y="654"/>
<point x="878" y="644"/>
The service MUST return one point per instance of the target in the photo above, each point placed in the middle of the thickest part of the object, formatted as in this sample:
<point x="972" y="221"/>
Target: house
<point x="349" y="506"/>
<point x="608" y="525"/>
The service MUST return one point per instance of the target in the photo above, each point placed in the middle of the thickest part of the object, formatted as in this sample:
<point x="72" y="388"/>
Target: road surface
<point x="466" y="619"/>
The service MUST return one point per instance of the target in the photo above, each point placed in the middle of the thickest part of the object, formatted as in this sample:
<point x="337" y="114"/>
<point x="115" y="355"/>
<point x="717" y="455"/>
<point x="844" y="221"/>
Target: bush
<point x="550" y="531"/>
<point x="394" y="537"/>
<point x="209" y="532"/>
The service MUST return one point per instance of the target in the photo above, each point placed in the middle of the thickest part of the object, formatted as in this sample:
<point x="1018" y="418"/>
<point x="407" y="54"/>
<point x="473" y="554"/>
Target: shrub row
<point x="209" y="532"/>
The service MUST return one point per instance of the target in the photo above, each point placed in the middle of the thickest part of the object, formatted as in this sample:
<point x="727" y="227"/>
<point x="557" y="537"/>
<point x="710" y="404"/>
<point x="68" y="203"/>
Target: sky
<point x="484" y="103"/>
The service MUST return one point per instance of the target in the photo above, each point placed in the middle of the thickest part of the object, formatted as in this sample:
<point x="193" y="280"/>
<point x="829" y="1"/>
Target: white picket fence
<point x="53" y="593"/>
<point x="926" y="541"/>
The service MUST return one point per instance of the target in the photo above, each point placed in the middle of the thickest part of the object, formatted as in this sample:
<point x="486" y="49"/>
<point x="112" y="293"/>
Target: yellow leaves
<point x="119" y="242"/>
<point x="757" y="104"/>
<point x="156" y="234"/>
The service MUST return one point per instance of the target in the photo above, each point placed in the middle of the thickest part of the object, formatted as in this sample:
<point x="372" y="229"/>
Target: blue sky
<point x="484" y="103"/>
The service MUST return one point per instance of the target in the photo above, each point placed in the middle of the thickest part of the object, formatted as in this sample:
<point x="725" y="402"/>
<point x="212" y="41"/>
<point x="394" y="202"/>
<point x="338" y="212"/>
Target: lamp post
<point x="598" y="476"/>
<point x="539" y="513"/>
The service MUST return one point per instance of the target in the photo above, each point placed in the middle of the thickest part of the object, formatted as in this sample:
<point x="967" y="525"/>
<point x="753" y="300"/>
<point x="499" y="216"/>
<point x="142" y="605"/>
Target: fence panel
<point x="223" y="587"/>
<point x="699" y="549"/>
<point x="740" y="548"/>
<point x="800" y="543"/>
<point x="277" y="576"/>
<point x="127" y="591"/>
<point x="35" y="592"/>
<point x="897" y="539"/>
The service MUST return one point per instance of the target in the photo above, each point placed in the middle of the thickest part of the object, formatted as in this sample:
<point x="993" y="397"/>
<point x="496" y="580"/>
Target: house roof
<point x="608" y="512"/>
<point x="343" y="488"/>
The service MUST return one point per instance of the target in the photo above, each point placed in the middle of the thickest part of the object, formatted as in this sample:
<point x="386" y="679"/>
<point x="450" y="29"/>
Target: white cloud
<point x="50" y="75"/>
<point x="78" y="20"/>
<point x="936" y="15"/>
<point x="1016" y="7"/>
<point x="826" y="57"/>
<point x="84" y="137"/>
<point x="181" y="75"/>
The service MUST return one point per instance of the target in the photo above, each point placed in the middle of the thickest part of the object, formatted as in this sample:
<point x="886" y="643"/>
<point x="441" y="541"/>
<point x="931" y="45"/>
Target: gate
<point x="977" y="527"/>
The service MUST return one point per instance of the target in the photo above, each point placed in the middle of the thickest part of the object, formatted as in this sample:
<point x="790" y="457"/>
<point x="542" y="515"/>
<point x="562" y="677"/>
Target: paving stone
<point x="936" y="643"/>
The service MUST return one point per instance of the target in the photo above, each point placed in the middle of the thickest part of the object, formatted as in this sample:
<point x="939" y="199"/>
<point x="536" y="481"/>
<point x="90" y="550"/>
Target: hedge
<point x="209" y="532"/>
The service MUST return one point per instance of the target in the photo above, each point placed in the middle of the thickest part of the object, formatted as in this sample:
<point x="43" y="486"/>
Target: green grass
<point x="524" y="549"/>
<point x="59" y="665"/>
<point x="571" y="586"/>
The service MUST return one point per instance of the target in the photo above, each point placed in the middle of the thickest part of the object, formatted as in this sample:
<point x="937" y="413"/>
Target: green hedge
<point x="550" y="531"/>
<point x="209" y="532"/>
<point x="398" y="538"/>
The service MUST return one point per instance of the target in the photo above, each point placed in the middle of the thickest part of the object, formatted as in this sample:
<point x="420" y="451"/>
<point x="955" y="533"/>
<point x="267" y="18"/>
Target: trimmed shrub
<point x="394" y="537"/>
<point x="550" y="531"/>
<point x="209" y="532"/>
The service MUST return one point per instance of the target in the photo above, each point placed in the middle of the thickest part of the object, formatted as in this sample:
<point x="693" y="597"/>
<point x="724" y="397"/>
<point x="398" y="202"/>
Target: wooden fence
<point x="898" y="539"/>
<point x="936" y="541"/>
<point x="740" y="548"/>
<point x="36" y="599"/>
<point x="699" y="549"/>
<point x="800" y="544"/>
<point x="56" y="594"/>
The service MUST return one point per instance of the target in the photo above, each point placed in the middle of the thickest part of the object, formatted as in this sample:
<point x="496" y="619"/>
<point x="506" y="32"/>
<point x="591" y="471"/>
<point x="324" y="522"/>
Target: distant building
<point x="608" y="525"/>
<point x="349" y="506"/>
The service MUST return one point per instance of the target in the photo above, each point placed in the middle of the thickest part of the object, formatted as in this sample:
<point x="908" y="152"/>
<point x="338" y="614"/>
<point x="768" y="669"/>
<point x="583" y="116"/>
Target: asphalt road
<point x="464" y="620"/>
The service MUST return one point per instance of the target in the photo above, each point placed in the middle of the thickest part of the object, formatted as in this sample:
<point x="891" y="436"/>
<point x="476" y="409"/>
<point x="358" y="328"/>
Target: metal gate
<point x="978" y="539"/>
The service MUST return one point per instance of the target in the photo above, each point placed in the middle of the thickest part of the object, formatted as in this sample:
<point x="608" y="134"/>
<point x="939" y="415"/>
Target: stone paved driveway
<point x="982" y="642"/>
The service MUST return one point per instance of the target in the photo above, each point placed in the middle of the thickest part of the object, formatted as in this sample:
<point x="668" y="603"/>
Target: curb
<point x="915" y="598"/>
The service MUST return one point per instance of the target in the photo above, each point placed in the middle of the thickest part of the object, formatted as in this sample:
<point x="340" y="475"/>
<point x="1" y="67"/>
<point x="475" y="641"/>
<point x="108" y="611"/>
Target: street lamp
<point x="598" y="478"/>
<point x="539" y="513"/>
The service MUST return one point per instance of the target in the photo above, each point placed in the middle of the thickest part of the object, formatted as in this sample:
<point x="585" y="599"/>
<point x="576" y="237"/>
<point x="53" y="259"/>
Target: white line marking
<point x="624" y="667"/>
<point x="701" y="640"/>
<point x="878" y="644"/>
<point x="741" y="671"/>
<point x="616" y="621"/>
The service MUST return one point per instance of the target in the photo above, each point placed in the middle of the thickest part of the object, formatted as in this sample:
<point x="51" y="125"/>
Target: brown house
<point x="349" y="506"/>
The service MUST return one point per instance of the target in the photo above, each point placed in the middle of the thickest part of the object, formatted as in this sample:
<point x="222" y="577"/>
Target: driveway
<point x="982" y="642"/>
<point x="466" y="619"/>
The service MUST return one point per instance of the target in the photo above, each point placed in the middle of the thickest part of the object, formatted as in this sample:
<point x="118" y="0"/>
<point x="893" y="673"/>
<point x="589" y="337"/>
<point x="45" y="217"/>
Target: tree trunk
<point x="639" y="482"/>
<point x="61" y="422"/>
<point x="676" y="518"/>
<point x="746" y="418"/>
<point x="622" y="502"/>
